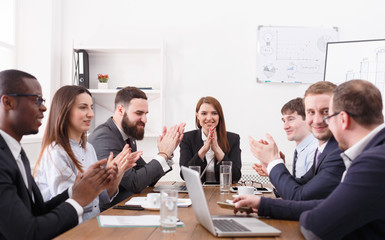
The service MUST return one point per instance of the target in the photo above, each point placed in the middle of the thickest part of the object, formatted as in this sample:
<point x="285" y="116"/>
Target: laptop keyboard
<point x="229" y="225"/>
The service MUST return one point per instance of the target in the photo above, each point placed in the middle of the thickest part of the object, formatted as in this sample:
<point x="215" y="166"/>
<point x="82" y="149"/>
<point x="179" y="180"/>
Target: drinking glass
<point x="168" y="210"/>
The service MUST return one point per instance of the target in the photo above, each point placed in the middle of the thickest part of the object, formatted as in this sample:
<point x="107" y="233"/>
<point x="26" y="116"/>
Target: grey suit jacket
<point x="106" y="138"/>
<point x="22" y="218"/>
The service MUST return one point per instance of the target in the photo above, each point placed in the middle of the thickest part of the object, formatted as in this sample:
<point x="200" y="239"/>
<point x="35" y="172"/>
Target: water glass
<point x="196" y="168"/>
<point x="168" y="210"/>
<point x="224" y="178"/>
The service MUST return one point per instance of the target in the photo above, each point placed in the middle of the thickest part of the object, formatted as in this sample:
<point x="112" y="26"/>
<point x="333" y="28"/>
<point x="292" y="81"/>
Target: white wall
<point x="211" y="50"/>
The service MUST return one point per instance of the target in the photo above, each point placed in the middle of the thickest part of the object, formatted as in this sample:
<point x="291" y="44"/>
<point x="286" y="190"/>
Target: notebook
<point x="219" y="225"/>
<point x="180" y="188"/>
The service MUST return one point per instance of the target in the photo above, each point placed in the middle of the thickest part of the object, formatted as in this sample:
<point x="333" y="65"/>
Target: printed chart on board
<point x="292" y="54"/>
<point x="362" y="59"/>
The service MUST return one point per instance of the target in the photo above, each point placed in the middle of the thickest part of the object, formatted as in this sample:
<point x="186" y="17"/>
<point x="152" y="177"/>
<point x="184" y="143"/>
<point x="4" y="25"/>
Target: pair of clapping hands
<point x="266" y="152"/>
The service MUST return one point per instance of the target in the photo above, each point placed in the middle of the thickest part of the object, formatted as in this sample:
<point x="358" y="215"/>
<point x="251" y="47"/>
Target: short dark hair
<point x="361" y="100"/>
<point x="320" y="87"/>
<point x="12" y="81"/>
<point x="294" y="105"/>
<point x="125" y="95"/>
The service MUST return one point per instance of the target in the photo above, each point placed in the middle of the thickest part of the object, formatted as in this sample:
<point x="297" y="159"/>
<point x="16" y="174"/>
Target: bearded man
<point x="125" y="127"/>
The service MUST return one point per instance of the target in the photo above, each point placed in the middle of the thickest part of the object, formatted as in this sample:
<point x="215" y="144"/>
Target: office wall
<point x="211" y="50"/>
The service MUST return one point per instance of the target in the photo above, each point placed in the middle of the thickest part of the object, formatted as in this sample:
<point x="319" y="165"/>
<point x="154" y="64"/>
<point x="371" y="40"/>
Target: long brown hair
<point x="223" y="142"/>
<point x="58" y="120"/>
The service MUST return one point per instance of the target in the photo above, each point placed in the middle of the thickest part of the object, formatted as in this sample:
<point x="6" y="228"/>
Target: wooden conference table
<point x="191" y="230"/>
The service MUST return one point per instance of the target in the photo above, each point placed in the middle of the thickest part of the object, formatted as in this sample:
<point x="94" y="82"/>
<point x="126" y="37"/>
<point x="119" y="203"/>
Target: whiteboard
<point x="363" y="59"/>
<point x="292" y="54"/>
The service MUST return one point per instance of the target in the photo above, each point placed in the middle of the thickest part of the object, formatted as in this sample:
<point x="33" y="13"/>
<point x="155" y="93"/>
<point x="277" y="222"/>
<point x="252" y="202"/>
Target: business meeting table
<point x="192" y="229"/>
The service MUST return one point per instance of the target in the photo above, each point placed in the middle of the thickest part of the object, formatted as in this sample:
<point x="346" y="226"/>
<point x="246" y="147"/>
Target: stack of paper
<point x="141" y="201"/>
<point x="132" y="221"/>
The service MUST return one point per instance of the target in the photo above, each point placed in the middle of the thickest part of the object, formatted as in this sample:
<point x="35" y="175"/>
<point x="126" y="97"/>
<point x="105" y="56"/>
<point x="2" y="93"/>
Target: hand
<point x="90" y="184"/>
<point x="264" y="151"/>
<point x="125" y="159"/>
<point x="260" y="170"/>
<point x="251" y="201"/>
<point x="206" y="146"/>
<point x="219" y="154"/>
<point x="170" y="139"/>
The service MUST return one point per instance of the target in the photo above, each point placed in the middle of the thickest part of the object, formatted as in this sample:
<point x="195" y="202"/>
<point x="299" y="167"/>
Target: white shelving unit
<point x="138" y="66"/>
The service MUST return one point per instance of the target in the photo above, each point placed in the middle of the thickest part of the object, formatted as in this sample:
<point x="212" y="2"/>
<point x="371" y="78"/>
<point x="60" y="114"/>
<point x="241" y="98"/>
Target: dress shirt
<point x="56" y="172"/>
<point x="210" y="172"/>
<point x="350" y="154"/>
<point x="305" y="155"/>
<point x="165" y="163"/>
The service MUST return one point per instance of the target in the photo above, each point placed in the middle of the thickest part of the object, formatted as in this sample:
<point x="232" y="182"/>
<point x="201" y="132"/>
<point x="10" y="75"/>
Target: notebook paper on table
<point x="132" y="221"/>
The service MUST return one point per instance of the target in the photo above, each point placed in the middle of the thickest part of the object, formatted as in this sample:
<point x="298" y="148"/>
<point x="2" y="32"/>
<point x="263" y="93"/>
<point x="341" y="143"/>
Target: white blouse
<point x="56" y="173"/>
<point x="210" y="172"/>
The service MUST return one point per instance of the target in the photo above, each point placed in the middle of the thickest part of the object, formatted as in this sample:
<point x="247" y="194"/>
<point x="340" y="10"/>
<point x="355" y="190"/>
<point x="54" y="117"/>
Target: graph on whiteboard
<point x="292" y="54"/>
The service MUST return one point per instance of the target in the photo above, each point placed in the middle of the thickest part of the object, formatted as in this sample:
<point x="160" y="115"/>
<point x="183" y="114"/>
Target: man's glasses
<point x="39" y="99"/>
<point x="326" y="119"/>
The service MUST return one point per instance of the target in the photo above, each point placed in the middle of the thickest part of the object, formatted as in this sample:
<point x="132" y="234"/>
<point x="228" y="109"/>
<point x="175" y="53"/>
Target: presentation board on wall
<point x="292" y="54"/>
<point x="364" y="59"/>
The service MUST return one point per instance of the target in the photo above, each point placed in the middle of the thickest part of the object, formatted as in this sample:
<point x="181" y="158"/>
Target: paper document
<point x="132" y="221"/>
<point x="141" y="201"/>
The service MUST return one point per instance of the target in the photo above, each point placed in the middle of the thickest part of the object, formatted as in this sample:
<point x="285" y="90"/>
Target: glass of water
<point x="225" y="178"/>
<point x="168" y="210"/>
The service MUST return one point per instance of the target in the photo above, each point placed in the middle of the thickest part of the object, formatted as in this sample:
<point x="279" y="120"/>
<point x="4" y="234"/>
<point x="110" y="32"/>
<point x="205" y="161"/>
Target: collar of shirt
<point x="322" y="147"/>
<point x="124" y="135"/>
<point x="305" y="143"/>
<point x="350" y="154"/>
<point x="12" y="143"/>
<point x="204" y="138"/>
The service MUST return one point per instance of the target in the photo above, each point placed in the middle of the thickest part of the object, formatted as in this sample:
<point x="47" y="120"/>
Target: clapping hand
<point x="265" y="151"/>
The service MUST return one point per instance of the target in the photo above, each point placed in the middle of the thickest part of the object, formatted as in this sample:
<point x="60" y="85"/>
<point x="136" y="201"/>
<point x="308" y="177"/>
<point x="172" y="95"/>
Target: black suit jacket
<point x="317" y="183"/>
<point x="20" y="217"/>
<point x="354" y="210"/>
<point x="191" y="144"/>
<point x="106" y="138"/>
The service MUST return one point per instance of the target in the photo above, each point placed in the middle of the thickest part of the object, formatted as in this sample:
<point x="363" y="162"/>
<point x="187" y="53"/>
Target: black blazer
<point x="20" y="217"/>
<point x="317" y="183"/>
<point x="192" y="143"/>
<point x="106" y="138"/>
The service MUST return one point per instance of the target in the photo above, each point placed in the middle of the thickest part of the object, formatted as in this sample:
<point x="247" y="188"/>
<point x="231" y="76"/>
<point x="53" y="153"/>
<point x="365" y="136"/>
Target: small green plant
<point x="103" y="78"/>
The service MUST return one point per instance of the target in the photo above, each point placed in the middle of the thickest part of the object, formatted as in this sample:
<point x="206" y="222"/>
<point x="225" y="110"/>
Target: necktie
<point x="295" y="161"/>
<point x="317" y="157"/>
<point x="128" y="141"/>
<point x="25" y="161"/>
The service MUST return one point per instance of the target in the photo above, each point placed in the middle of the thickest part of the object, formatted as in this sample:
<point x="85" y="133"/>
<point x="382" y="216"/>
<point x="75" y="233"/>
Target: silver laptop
<point x="222" y="226"/>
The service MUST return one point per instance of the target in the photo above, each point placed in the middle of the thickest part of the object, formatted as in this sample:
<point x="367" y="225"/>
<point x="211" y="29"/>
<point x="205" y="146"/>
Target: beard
<point x="131" y="128"/>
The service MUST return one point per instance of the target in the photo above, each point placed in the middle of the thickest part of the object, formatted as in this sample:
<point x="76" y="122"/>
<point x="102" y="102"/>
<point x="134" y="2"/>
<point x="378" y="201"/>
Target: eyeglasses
<point x="39" y="99"/>
<point x="326" y="119"/>
<point x="249" y="183"/>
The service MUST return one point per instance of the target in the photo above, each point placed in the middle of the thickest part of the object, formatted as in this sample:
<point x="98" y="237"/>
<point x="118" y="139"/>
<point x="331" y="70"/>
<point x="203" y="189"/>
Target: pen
<point x="128" y="207"/>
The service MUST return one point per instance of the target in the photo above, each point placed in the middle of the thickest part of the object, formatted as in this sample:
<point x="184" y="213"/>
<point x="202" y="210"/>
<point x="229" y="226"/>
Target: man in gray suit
<point x="125" y="127"/>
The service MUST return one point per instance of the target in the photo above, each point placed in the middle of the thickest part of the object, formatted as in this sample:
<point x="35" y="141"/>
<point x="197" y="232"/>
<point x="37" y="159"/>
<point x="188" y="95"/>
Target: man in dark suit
<point x="23" y="213"/>
<point x="326" y="172"/>
<point x="356" y="208"/>
<point x="125" y="127"/>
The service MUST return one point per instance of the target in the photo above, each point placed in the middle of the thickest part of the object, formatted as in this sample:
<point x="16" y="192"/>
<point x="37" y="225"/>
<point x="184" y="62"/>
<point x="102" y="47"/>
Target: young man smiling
<point x="325" y="174"/>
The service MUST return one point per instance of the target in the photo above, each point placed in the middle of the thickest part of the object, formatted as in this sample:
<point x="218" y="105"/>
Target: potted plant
<point x="103" y="81"/>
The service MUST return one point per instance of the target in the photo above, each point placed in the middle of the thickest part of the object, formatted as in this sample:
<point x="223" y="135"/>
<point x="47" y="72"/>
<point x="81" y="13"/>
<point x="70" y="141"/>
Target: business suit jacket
<point x="20" y="217"/>
<point x="106" y="138"/>
<point x="354" y="210"/>
<point x="317" y="183"/>
<point x="191" y="144"/>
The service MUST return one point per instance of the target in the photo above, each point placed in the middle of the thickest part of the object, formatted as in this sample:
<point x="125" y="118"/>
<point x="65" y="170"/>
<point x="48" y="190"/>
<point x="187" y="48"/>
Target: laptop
<point x="222" y="226"/>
